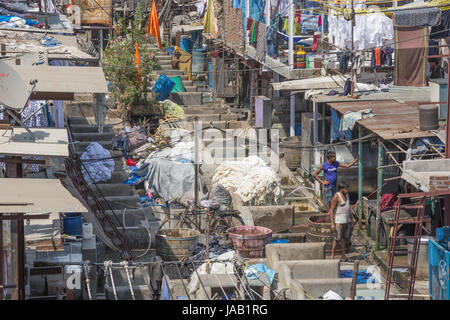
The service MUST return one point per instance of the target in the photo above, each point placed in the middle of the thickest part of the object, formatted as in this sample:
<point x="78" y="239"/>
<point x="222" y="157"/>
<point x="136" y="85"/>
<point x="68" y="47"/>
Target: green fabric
<point x="178" y="84"/>
<point x="253" y="37"/>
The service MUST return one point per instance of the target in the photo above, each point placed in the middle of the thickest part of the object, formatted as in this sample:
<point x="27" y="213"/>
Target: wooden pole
<point x="354" y="280"/>
<point x="360" y="185"/>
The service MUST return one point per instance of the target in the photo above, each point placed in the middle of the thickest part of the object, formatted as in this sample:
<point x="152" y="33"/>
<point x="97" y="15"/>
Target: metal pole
<point x="197" y="165"/>
<point x="315" y="123"/>
<point x="247" y="14"/>
<point x="379" y="183"/>
<point x="353" y="86"/>
<point x="360" y="208"/>
<point x="21" y="257"/>
<point x="447" y="149"/>
<point x="354" y="279"/>
<point x="291" y="34"/>
<point x="292" y="115"/>
<point x="1" y="258"/>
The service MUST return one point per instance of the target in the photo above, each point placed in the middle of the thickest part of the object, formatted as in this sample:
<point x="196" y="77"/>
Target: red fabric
<point x="131" y="162"/>
<point x="377" y="57"/>
<point x="315" y="42"/>
<point x="388" y="201"/>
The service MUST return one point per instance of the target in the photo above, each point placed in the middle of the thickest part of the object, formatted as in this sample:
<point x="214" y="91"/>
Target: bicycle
<point x="219" y="221"/>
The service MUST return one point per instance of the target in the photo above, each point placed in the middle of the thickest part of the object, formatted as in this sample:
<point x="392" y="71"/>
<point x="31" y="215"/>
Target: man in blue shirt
<point x="329" y="168"/>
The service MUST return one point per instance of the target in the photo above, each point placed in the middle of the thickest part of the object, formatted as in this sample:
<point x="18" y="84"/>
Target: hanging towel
<point x="153" y="25"/>
<point x="410" y="45"/>
<point x="315" y="42"/>
<point x="210" y="24"/>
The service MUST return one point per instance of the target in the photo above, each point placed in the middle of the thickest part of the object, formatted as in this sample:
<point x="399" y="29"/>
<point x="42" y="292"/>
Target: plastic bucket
<point x="250" y="240"/>
<point x="280" y="241"/>
<point x="175" y="244"/>
<point x="72" y="224"/>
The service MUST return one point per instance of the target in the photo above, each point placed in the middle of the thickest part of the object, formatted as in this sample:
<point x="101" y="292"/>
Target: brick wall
<point x="233" y="29"/>
<point x="439" y="183"/>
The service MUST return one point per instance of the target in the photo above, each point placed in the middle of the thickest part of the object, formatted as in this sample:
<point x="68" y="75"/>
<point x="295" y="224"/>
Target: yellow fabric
<point x="153" y="25"/>
<point x="210" y="23"/>
<point x="187" y="65"/>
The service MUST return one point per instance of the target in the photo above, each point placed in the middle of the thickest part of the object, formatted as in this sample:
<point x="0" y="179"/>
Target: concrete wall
<point x="272" y="216"/>
<point x="276" y="253"/>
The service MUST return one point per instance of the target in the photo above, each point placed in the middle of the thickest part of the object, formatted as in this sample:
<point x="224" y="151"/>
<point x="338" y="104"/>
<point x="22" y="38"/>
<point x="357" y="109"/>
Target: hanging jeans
<point x="343" y="58"/>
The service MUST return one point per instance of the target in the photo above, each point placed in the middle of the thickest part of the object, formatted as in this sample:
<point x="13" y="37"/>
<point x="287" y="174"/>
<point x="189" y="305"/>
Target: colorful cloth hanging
<point x="210" y="24"/>
<point x="153" y="25"/>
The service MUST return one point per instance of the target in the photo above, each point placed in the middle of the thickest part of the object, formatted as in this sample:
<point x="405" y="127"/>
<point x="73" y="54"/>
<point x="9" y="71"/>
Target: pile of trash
<point x="255" y="182"/>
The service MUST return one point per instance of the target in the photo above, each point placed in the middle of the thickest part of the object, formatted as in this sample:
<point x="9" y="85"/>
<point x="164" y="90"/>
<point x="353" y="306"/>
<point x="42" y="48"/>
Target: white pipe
<point x="291" y="36"/>
<point x="315" y="124"/>
<point x="292" y="115"/>
<point x="247" y="14"/>
<point x="267" y="12"/>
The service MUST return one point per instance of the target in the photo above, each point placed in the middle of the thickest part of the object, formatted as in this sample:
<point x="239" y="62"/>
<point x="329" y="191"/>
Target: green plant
<point x="118" y="61"/>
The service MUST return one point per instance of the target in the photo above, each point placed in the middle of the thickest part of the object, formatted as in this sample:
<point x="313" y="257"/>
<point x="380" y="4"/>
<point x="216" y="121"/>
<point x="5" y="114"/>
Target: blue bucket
<point x="72" y="223"/>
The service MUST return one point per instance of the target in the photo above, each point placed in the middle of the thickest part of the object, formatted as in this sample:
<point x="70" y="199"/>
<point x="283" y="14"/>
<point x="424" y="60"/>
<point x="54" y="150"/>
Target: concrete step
<point x="82" y="145"/>
<point x="169" y="73"/>
<point x="89" y="128"/>
<point x="187" y="98"/>
<point x="202" y="117"/>
<point x="134" y="217"/>
<point x="92" y="136"/>
<point x="77" y="120"/>
<point x="118" y="161"/>
<point x="190" y="88"/>
<point x="165" y="66"/>
<point x="114" y="189"/>
<point x="220" y="124"/>
<point x="202" y="109"/>
<point x="120" y="202"/>
<point x="185" y="83"/>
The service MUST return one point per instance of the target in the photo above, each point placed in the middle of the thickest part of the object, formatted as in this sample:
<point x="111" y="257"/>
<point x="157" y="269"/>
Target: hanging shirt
<point x="330" y="171"/>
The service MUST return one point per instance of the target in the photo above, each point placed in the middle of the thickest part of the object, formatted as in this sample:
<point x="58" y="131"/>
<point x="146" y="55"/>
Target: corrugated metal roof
<point x="392" y="119"/>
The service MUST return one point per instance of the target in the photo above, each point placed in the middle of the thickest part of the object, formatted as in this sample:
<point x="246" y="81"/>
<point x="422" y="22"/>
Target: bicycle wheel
<point x="223" y="222"/>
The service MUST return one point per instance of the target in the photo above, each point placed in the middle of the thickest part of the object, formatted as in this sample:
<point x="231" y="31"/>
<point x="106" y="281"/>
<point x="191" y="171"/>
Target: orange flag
<point x="153" y="25"/>
<point x="137" y="61"/>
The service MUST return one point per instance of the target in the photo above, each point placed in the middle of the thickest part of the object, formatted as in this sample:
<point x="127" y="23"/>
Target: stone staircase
<point x="120" y="201"/>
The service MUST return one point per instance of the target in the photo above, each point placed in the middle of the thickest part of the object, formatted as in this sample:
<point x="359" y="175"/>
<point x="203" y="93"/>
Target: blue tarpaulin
<point x="335" y="125"/>
<point x="163" y="86"/>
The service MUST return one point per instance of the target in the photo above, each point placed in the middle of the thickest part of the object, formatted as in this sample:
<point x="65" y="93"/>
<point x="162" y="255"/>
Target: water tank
<point x="429" y="117"/>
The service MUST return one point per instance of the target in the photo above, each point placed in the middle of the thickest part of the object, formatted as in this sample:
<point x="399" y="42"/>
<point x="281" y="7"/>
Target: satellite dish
<point x="13" y="90"/>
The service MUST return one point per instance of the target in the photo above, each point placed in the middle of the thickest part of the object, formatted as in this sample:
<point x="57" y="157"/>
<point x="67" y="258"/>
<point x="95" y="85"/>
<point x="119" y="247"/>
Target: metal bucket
<point x="250" y="241"/>
<point x="319" y="230"/>
<point x="175" y="244"/>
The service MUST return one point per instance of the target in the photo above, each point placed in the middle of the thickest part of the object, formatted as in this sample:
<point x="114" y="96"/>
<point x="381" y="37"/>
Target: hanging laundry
<point x="310" y="22"/>
<point x="376" y="58"/>
<point x="359" y="62"/>
<point x="235" y="4"/>
<point x="315" y="42"/>
<point x="153" y="25"/>
<point x="410" y="45"/>
<point x="347" y="87"/>
<point x="442" y="30"/>
<point x="257" y="9"/>
<point x="343" y="59"/>
<point x="417" y="17"/>
<point x="272" y="37"/>
<point x="254" y="32"/>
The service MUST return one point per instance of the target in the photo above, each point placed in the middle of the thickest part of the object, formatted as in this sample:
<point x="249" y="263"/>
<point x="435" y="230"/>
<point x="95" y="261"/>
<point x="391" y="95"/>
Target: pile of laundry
<point x="130" y="139"/>
<point x="251" y="179"/>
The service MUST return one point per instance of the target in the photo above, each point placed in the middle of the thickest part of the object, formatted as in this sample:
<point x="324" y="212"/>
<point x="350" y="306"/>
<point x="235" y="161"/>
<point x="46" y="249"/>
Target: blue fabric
<point x="165" y="293"/>
<point x="362" y="277"/>
<point x="50" y="42"/>
<point x="257" y="8"/>
<point x="236" y="4"/>
<point x="330" y="171"/>
<point x="272" y="37"/>
<point x="244" y="19"/>
<point x="99" y="170"/>
<point x="253" y="271"/>
<point x="28" y="22"/>
<point x="163" y="86"/>
<point x="335" y="125"/>
<point x="186" y="44"/>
